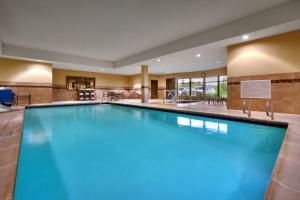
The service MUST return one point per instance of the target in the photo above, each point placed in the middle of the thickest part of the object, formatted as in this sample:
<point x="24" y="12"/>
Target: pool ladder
<point x="245" y="103"/>
<point x="173" y="97"/>
<point x="269" y="112"/>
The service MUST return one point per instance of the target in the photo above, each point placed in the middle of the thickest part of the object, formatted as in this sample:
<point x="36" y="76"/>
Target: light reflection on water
<point x="37" y="138"/>
<point x="213" y="127"/>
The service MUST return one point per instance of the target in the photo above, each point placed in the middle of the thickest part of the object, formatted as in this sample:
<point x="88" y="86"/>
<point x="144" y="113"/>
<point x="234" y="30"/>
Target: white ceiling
<point x="114" y="29"/>
<point x="212" y="56"/>
<point x="110" y="30"/>
<point x="177" y="62"/>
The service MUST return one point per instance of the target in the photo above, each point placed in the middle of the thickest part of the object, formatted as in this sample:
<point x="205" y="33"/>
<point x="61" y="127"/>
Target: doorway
<point x="154" y="88"/>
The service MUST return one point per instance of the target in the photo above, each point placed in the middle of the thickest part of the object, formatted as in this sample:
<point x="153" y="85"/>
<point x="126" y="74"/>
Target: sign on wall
<point x="256" y="89"/>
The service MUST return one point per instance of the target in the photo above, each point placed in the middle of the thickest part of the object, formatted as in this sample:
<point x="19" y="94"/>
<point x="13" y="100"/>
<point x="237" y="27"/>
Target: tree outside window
<point x="214" y="86"/>
<point x="223" y="86"/>
<point x="183" y="87"/>
<point x="211" y="86"/>
<point x="196" y="86"/>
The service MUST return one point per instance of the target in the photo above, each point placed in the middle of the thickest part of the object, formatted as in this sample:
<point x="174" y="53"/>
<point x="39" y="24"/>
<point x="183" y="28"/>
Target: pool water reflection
<point x="197" y="123"/>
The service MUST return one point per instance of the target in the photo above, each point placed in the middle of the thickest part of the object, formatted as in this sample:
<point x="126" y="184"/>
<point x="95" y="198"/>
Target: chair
<point x="111" y="96"/>
<point x="105" y="96"/>
<point x="199" y="96"/>
<point x="120" y="95"/>
<point x="184" y="96"/>
<point x="6" y="97"/>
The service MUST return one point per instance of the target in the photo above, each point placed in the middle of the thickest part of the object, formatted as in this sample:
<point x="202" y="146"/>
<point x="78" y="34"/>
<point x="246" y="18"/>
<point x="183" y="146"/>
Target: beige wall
<point x="104" y="83"/>
<point x="208" y="73"/>
<point x="27" y="78"/>
<point x="39" y="80"/>
<point x="271" y="55"/>
<point x="102" y="80"/>
<point x="275" y="58"/>
<point x="135" y="80"/>
<point x="25" y="71"/>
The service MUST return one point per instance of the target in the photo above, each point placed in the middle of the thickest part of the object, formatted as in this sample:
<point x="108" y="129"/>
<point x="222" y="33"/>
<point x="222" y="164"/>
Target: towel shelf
<point x="86" y="94"/>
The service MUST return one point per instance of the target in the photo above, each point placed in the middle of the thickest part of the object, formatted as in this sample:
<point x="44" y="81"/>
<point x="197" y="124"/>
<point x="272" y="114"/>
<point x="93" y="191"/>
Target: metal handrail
<point x="269" y="112"/>
<point x="169" y="93"/>
<point x="248" y="106"/>
<point x="244" y="105"/>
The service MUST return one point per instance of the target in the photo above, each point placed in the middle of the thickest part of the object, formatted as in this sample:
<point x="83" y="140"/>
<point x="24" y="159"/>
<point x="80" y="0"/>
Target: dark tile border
<point x="96" y="87"/>
<point x="194" y="113"/>
<point x="211" y="115"/>
<point x="61" y="105"/>
<point x="272" y="81"/>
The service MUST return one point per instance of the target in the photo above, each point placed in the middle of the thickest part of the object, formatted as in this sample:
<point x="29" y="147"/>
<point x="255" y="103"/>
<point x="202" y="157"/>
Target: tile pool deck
<point x="285" y="181"/>
<point x="10" y="134"/>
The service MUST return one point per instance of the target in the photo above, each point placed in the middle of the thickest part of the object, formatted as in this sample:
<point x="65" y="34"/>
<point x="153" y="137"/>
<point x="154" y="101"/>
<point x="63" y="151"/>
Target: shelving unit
<point x="77" y="83"/>
<point x="86" y="94"/>
<point x="85" y="87"/>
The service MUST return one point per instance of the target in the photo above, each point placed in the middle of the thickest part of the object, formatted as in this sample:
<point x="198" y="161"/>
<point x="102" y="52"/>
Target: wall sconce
<point x="203" y="75"/>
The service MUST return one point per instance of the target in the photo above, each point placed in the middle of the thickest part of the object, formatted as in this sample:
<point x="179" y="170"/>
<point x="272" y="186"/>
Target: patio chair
<point x="120" y="95"/>
<point x="111" y="96"/>
<point x="105" y="96"/>
<point x="184" y="96"/>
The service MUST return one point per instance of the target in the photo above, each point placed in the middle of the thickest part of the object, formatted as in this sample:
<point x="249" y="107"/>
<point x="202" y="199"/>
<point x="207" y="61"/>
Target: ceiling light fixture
<point x="158" y="59"/>
<point x="198" y="55"/>
<point x="245" y="37"/>
<point x="218" y="62"/>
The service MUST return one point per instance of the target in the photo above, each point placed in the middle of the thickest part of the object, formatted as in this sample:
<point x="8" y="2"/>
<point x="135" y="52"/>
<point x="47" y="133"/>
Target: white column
<point x="144" y="83"/>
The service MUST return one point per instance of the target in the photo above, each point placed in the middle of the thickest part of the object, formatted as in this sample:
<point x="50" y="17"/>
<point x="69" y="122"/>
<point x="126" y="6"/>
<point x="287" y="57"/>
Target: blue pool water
<point x="110" y="152"/>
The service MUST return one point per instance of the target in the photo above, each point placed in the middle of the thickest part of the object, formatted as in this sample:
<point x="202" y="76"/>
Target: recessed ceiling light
<point x="218" y="62"/>
<point x="245" y="37"/>
<point x="158" y="59"/>
<point x="198" y="55"/>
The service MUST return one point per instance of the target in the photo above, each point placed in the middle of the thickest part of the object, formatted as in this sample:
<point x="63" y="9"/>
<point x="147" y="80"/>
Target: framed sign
<point x="260" y="89"/>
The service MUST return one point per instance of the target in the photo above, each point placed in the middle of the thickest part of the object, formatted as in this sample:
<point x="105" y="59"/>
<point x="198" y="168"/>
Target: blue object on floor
<point x="6" y="97"/>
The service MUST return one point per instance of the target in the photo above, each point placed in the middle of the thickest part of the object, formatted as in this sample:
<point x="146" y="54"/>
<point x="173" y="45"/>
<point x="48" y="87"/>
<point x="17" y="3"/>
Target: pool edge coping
<point x="273" y="123"/>
<point x="277" y="166"/>
<point x="9" y="187"/>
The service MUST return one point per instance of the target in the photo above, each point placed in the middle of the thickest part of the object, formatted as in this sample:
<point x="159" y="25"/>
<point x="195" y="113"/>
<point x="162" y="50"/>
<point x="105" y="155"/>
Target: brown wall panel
<point x="285" y="93"/>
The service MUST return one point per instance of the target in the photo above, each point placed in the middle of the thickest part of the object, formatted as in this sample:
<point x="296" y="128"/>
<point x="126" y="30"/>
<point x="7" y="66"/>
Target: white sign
<point x="256" y="89"/>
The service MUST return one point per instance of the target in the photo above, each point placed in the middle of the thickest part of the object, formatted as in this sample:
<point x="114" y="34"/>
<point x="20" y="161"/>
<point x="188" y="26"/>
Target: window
<point x="211" y="86"/>
<point x="196" y="86"/>
<point x="184" y="86"/>
<point x="223" y="86"/>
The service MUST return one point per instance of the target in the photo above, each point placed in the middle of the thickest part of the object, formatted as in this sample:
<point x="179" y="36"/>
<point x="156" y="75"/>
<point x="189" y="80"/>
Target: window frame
<point x="204" y="82"/>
